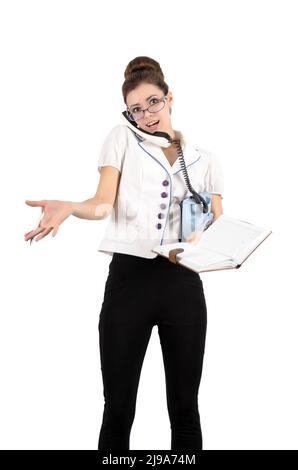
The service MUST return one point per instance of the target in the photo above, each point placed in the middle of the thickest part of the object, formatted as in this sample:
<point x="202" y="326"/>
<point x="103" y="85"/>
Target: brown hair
<point x="143" y="69"/>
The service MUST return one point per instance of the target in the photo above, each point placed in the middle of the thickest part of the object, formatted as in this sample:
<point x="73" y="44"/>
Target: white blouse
<point x="146" y="210"/>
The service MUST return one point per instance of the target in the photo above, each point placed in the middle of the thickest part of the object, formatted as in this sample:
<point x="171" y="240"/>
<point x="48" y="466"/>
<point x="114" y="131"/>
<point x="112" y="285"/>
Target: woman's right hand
<point x="54" y="213"/>
<point x="194" y="237"/>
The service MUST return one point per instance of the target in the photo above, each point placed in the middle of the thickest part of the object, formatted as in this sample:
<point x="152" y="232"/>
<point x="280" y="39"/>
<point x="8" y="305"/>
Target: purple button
<point x="163" y="206"/>
<point x="165" y="182"/>
<point x="164" y="194"/>
<point x="158" y="226"/>
<point x="160" y="215"/>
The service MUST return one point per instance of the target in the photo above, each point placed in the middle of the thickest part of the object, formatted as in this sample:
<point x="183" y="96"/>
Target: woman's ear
<point x="170" y="99"/>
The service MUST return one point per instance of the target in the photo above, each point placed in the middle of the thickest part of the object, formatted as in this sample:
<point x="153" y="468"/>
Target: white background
<point x="231" y="66"/>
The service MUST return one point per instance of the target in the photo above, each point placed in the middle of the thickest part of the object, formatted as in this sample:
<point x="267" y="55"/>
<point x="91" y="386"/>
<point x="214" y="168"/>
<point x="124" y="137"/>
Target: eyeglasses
<point x="135" y="114"/>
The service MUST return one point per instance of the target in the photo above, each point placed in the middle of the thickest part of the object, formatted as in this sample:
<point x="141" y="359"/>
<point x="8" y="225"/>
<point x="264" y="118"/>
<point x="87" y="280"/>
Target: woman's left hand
<point x="194" y="237"/>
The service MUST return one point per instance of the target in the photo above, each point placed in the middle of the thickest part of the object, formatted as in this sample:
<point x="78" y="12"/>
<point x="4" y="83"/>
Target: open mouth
<point x="153" y="124"/>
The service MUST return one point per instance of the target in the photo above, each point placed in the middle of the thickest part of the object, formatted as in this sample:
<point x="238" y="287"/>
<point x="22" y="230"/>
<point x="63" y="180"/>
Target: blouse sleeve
<point x="113" y="149"/>
<point x="214" y="177"/>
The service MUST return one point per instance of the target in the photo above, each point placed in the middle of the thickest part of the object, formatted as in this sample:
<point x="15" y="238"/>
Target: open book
<point x="224" y="245"/>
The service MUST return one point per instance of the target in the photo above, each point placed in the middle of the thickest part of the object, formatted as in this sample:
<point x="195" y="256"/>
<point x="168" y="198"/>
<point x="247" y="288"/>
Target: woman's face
<point x="145" y="95"/>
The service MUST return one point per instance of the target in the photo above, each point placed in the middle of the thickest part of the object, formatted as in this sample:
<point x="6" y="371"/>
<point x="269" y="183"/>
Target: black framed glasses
<point x="136" y="113"/>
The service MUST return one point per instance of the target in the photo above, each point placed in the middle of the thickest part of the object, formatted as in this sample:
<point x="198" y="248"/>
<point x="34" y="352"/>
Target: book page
<point x="202" y="257"/>
<point x="229" y="237"/>
<point x="191" y="264"/>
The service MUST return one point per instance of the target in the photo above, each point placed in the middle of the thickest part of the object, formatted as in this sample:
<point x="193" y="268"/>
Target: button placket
<point x="164" y="163"/>
<point x="163" y="206"/>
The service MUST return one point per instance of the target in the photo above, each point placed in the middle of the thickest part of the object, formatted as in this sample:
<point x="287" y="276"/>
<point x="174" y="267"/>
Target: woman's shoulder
<point x="192" y="144"/>
<point x="116" y="136"/>
<point x="210" y="157"/>
<point x="208" y="154"/>
<point x="118" y="131"/>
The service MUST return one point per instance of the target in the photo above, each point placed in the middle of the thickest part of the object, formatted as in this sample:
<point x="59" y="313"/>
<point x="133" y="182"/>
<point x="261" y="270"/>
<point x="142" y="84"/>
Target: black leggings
<point x="140" y="293"/>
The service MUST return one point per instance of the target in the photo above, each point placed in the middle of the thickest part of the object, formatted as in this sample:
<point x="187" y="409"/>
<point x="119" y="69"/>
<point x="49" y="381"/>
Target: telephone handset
<point x="163" y="139"/>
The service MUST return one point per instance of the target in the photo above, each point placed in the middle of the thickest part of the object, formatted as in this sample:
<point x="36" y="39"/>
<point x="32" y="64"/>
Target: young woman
<point x="141" y="184"/>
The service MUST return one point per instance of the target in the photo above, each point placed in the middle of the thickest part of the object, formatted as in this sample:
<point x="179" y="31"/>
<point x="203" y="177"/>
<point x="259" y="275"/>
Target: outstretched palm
<point x="54" y="213"/>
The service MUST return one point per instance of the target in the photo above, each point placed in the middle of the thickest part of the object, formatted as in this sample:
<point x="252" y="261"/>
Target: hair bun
<point x="142" y="63"/>
<point x="143" y="69"/>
